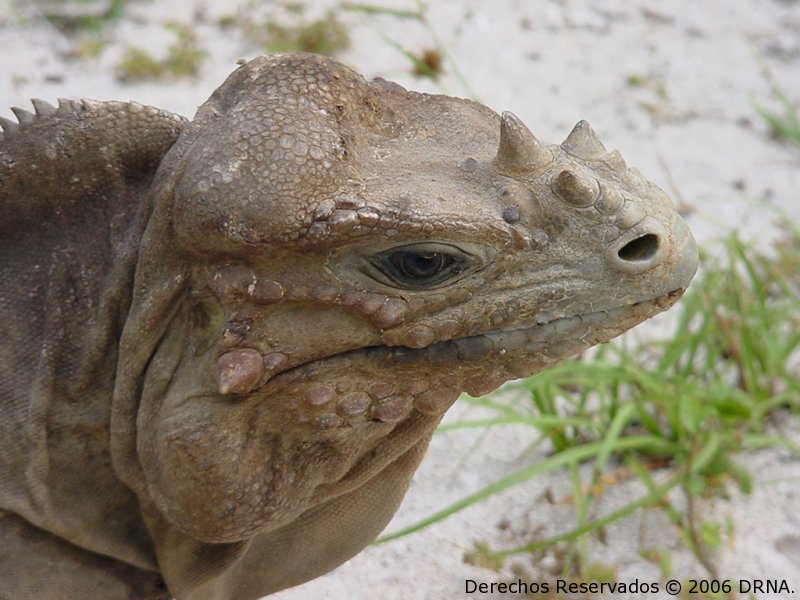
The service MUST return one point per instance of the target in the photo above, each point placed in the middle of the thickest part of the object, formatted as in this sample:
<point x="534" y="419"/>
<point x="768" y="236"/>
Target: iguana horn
<point x="519" y="150"/>
<point x="578" y="190"/>
<point x="583" y="142"/>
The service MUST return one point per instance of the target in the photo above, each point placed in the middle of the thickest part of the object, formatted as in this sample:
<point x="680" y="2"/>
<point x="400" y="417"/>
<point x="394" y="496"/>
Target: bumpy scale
<point x="227" y="342"/>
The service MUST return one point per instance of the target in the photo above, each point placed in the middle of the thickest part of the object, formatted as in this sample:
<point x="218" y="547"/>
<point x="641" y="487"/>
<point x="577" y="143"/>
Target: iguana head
<point x="331" y="262"/>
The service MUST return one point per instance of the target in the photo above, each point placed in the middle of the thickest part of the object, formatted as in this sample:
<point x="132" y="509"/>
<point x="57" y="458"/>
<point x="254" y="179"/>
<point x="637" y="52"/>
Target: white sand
<point x="690" y="126"/>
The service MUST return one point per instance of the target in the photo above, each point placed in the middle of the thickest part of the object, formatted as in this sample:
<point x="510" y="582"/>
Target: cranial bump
<point x="419" y="336"/>
<point x="238" y="283"/>
<point x="392" y="409"/>
<point x="392" y="312"/>
<point x="577" y="190"/>
<point x="274" y="361"/>
<point x="243" y="370"/>
<point x="266" y="292"/>
<point x="239" y="371"/>
<point x="319" y="396"/>
<point x="325" y="293"/>
<point x="632" y="214"/>
<point x="233" y="281"/>
<point x="353" y="404"/>
<point x="572" y="179"/>
<point x="327" y="406"/>
<point x="610" y="200"/>
<point x="344" y="214"/>
<point x="435" y="402"/>
<point x="342" y="221"/>
<point x="583" y="191"/>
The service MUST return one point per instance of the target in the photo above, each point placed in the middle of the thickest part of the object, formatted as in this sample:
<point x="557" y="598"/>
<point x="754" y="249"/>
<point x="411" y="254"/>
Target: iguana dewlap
<point x="227" y="342"/>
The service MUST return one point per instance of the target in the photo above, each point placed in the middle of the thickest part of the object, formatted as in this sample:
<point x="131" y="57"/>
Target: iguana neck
<point x="74" y="204"/>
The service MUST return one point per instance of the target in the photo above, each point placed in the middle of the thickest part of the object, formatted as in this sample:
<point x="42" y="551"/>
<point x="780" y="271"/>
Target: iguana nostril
<point x="640" y="249"/>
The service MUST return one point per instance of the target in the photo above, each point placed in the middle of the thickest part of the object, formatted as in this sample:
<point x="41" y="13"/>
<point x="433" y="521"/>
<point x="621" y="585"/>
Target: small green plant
<point x="323" y="36"/>
<point x="138" y="65"/>
<point x="673" y="413"/>
<point x="427" y="62"/>
<point x="784" y="124"/>
<point x="76" y="16"/>
<point x="87" y="47"/>
<point x="184" y="58"/>
<point x="653" y="94"/>
<point x="83" y="22"/>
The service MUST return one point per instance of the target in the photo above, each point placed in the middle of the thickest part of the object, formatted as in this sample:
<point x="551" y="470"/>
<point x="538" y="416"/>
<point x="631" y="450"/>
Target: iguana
<point x="226" y="342"/>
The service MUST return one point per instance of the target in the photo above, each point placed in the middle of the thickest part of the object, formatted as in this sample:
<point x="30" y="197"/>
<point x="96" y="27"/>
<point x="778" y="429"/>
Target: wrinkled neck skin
<point x="69" y="248"/>
<point x="246" y="494"/>
<point x="279" y="381"/>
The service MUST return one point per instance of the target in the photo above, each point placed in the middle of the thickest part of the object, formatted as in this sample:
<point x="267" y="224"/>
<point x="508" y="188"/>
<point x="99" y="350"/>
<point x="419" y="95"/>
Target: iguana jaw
<point x="338" y="407"/>
<point x="532" y="338"/>
<point x="515" y="352"/>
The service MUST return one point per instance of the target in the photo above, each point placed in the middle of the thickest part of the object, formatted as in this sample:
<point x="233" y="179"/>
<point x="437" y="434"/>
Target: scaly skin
<point x="227" y="342"/>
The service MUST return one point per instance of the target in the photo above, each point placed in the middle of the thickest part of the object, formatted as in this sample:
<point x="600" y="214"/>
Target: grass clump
<point x="81" y="16"/>
<point x="184" y="58"/>
<point x="784" y="124"/>
<point x="293" y="31"/>
<point x="673" y="414"/>
<point x="428" y="61"/>
<point x="322" y="36"/>
<point x="83" y="22"/>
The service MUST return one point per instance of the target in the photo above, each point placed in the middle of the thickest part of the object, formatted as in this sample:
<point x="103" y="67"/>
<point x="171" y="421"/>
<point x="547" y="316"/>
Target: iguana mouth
<point x="526" y="338"/>
<point x="506" y="345"/>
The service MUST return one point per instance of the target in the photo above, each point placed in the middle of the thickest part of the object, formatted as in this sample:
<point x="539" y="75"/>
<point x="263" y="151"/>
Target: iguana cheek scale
<point x="227" y="341"/>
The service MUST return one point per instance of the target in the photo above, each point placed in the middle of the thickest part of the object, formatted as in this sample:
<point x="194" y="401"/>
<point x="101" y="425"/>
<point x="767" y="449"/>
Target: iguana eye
<point x="421" y="265"/>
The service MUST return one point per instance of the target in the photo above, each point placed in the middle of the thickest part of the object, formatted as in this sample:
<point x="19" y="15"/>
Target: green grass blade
<point x="573" y="455"/>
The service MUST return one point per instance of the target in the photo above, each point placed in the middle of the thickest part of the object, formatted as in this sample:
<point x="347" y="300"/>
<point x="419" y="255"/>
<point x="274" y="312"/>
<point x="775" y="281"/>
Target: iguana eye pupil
<point x="420" y="265"/>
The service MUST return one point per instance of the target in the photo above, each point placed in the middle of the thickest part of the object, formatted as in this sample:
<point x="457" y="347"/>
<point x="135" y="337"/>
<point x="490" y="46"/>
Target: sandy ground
<point x="672" y="85"/>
